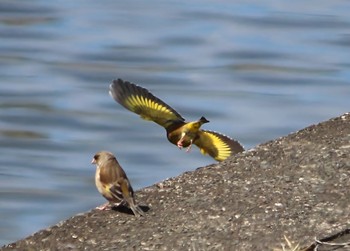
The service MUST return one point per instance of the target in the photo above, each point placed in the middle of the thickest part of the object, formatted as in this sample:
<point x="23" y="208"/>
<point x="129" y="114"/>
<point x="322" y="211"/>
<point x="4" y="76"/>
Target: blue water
<point x="257" y="71"/>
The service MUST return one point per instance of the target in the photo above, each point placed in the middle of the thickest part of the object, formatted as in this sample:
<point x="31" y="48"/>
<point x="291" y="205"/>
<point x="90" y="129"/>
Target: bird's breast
<point x="98" y="183"/>
<point x="102" y="187"/>
<point x="175" y="137"/>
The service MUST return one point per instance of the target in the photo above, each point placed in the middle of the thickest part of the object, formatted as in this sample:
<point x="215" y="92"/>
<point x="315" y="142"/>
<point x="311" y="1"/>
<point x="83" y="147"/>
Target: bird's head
<point x="197" y="124"/>
<point x="203" y="120"/>
<point x="102" y="157"/>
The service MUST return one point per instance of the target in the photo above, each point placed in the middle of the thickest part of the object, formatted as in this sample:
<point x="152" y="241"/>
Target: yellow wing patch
<point x="140" y="101"/>
<point x="149" y="109"/>
<point x="217" y="145"/>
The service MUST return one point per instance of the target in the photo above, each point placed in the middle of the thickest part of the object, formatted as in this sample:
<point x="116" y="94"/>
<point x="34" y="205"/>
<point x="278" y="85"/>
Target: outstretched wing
<point x="217" y="145"/>
<point x="140" y="101"/>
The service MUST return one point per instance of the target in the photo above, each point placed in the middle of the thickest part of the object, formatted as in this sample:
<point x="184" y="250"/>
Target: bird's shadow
<point x="126" y="210"/>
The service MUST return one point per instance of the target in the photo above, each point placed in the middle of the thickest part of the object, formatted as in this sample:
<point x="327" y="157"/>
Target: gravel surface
<point x="297" y="186"/>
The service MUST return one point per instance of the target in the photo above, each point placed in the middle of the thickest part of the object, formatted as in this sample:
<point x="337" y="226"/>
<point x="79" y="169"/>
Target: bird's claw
<point x="180" y="145"/>
<point x="103" y="207"/>
<point x="189" y="148"/>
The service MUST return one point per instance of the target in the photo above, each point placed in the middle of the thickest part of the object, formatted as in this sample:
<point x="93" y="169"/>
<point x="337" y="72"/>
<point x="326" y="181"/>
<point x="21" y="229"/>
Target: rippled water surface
<point x="257" y="71"/>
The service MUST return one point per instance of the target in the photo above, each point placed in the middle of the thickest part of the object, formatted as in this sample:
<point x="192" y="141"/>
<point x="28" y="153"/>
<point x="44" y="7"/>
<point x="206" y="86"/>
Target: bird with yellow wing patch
<point x="179" y="132"/>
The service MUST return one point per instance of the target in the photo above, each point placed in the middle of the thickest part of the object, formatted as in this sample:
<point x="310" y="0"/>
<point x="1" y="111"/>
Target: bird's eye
<point x="96" y="157"/>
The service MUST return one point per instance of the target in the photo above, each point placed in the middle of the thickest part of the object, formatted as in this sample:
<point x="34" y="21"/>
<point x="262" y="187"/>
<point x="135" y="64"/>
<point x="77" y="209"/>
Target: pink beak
<point x="93" y="161"/>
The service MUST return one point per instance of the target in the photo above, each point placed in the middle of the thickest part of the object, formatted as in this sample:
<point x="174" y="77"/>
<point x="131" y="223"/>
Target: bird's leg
<point x="189" y="147"/>
<point x="103" y="207"/>
<point x="179" y="143"/>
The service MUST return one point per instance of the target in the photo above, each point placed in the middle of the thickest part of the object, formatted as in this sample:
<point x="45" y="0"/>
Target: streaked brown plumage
<point x="111" y="181"/>
<point x="183" y="134"/>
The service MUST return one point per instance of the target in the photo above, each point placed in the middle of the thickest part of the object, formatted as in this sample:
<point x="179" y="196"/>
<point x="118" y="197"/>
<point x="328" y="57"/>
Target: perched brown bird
<point x="183" y="134"/>
<point x="112" y="182"/>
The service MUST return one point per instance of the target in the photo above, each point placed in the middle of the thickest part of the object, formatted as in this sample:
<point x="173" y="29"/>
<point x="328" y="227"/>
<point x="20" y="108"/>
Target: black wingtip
<point x="118" y="81"/>
<point x="119" y="90"/>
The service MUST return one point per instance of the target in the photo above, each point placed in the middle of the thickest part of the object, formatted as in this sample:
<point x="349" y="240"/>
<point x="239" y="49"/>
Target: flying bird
<point x="112" y="182"/>
<point x="179" y="132"/>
